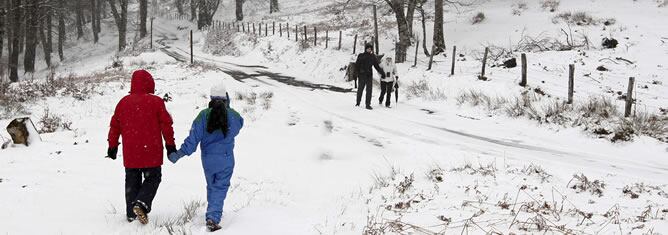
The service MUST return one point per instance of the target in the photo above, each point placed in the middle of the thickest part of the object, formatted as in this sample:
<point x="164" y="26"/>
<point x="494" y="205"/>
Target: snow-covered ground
<point x="309" y="162"/>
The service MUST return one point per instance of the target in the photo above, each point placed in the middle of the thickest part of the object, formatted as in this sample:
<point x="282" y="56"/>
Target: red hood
<point x="142" y="83"/>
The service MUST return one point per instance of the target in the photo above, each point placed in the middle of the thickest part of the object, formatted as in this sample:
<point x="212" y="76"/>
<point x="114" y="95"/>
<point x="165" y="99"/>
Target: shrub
<point x="478" y="18"/>
<point x="519" y="8"/>
<point x="304" y="45"/>
<point x="50" y="123"/>
<point x="221" y="42"/>
<point x="421" y="89"/>
<point x="578" y="18"/>
<point x="550" y="5"/>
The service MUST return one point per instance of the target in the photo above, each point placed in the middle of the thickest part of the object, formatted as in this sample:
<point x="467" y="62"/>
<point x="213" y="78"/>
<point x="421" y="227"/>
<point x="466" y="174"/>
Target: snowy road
<point x="412" y="124"/>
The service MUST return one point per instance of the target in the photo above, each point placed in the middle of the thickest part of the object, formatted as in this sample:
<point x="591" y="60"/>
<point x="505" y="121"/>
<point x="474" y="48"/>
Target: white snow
<point x="309" y="162"/>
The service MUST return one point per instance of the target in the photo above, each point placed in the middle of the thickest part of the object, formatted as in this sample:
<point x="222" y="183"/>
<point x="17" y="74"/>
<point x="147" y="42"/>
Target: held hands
<point x="170" y="149"/>
<point x="175" y="156"/>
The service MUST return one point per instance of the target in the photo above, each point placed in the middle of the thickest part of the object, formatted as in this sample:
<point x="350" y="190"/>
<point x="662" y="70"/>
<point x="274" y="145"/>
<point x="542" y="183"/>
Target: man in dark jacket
<point x="141" y="118"/>
<point x="363" y="64"/>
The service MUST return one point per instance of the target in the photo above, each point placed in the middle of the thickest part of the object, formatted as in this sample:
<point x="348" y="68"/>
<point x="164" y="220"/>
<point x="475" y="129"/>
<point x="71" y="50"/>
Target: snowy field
<point x="309" y="162"/>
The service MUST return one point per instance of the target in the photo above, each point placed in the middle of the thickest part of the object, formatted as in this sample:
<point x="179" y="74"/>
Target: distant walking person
<point x="363" y="65"/>
<point x="141" y="118"/>
<point x="389" y="82"/>
<point x="214" y="130"/>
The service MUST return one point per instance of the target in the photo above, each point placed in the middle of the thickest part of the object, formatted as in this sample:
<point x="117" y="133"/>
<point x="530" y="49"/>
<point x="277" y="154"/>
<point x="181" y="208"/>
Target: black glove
<point x="170" y="149"/>
<point x="111" y="153"/>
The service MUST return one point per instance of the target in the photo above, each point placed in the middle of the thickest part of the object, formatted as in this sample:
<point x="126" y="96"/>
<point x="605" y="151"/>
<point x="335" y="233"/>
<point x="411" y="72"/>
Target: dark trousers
<point x="386" y="87"/>
<point x="138" y="191"/>
<point x="364" y="83"/>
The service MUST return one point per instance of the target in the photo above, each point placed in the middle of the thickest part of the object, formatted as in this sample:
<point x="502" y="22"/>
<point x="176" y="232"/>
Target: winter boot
<point x="211" y="226"/>
<point x="131" y="219"/>
<point x="142" y="216"/>
<point x="369" y="107"/>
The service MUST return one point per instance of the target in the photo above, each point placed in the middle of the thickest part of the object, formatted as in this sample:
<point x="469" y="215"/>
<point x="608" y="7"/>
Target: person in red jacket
<point x="141" y="118"/>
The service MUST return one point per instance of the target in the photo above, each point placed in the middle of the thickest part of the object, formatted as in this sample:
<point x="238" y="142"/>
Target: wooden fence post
<point x="315" y="36"/>
<point x="375" y="30"/>
<point x="287" y="29"/>
<point x="571" y="83"/>
<point x="340" y="34"/>
<point x="305" y="36"/>
<point x="280" y="30"/>
<point x="254" y="28"/>
<point x="326" y="38"/>
<point x="266" y="29"/>
<point x="629" y="97"/>
<point x="454" y="58"/>
<point x="484" y="64"/>
<point x="524" y="70"/>
<point x="355" y="45"/>
<point x="192" y="59"/>
<point x="273" y="28"/>
<point x="417" y="46"/>
<point x="296" y="33"/>
<point x="151" y="45"/>
<point x="243" y="27"/>
<point x="431" y="58"/>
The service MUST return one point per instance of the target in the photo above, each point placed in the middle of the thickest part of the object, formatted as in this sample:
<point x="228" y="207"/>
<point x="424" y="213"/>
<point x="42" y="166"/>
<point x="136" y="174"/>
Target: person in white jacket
<point x="389" y="81"/>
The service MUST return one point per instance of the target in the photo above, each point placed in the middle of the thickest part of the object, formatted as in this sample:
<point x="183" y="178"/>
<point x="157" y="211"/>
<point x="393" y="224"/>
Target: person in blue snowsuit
<point x="214" y="130"/>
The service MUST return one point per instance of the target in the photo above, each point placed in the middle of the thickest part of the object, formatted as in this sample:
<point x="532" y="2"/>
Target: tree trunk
<point x="32" y="26"/>
<point x="98" y="16"/>
<point x="93" y="11"/>
<point x="193" y="9"/>
<point x="16" y="19"/>
<point x="143" y="12"/>
<point x="44" y="30"/>
<point x="207" y="9"/>
<point x="103" y="9"/>
<point x="273" y="6"/>
<point x="79" y="19"/>
<point x="439" y="40"/>
<point x="404" y="35"/>
<point x="239" y="9"/>
<point x="410" y="12"/>
<point x="424" y="31"/>
<point x="121" y="19"/>
<point x="3" y="13"/>
<point x="61" y="28"/>
<point x="179" y="6"/>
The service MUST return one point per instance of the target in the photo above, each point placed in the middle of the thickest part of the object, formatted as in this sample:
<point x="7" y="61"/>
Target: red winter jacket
<point x="142" y="119"/>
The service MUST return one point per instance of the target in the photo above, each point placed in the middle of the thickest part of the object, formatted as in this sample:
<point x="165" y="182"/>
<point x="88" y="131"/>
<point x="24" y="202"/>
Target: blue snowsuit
<point x="217" y="157"/>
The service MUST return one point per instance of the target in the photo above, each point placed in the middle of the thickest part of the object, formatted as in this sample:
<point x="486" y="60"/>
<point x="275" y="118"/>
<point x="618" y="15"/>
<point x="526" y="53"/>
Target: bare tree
<point x="15" y="16"/>
<point x="143" y="12"/>
<point x="273" y="6"/>
<point x="239" y="9"/>
<point x="32" y="26"/>
<point x="402" y="26"/>
<point x="207" y="9"/>
<point x="410" y="13"/>
<point x="94" y="20"/>
<point x="439" y="39"/>
<point x="193" y="9"/>
<point x="179" y="6"/>
<point x="424" y="27"/>
<point x="121" y="19"/>
<point x="3" y="14"/>
<point x="61" y="28"/>
<point x="79" y="18"/>
<point x="45" y="31"/>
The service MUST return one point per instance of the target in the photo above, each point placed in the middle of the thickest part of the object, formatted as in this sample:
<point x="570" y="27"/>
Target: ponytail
<point x="218" y="117"/>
